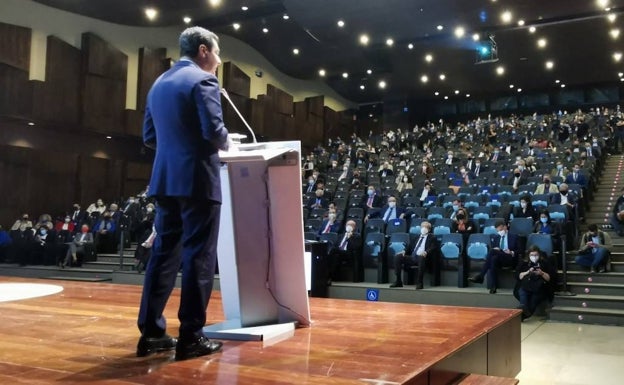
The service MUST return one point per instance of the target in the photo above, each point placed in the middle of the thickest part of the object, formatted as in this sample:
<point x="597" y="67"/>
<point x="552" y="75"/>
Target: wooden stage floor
<point x="87" y="334"/>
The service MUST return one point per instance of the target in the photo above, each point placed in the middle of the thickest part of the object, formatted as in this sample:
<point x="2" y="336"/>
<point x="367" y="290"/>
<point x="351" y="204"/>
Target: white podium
<point x="261" y="243"/>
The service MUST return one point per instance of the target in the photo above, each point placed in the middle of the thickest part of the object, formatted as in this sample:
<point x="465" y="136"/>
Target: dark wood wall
<point x="65" y="157"/>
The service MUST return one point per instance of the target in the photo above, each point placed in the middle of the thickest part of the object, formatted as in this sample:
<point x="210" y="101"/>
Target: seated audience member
<point x="385" y="170"/>
<point x="310" y="186"/>
<point x="318" y="201"/>
<point x="65" y="229"/>
<point x="516" y="180"/>
<point x="98" y="206"/>
<point x="478" y="168"/>
<point x="45" y="220"/>
<point x="595" y="249"/>
<point x="545" y="225"/>
<point x="463" y="225"/>
<point x="564" y="197"/>
<point x="576" y="177"/>
<point x="426" y="191"/>
<point x="5" y="242"/>
<point x="560" y="170"/>
<point x="348" y="250"/>
<point x="405" y="183"/>
<point x="143" y="251"/>
<point x="617" y="215"/>
<point x="534" y="281"/>
<point x="452" y="211"/>
<point x="426" y="170"/>
<point x="330" y="224"/>
<point x="44" y="245"/>
<point x="371" y="199"/>
<point x="389" y="212"/>
<point x="425" y="254"/>
<point x="504" y="252"/>
<point x="22" y="224"/>
<point x="145" y="223"/>
<point x="78" y="216"/>
<point x="546" y="187"/>
<point x="104" y="231"/>
<point x="80" y="244"/>
<point x="525" y="210"/>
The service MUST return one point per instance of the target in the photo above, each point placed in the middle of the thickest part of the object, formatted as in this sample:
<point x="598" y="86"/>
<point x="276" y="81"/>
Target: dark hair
<point x="191" y="38"/>
<point x="545" y="212"/>
<point x="593" y="227"/>
<point x="500" y="223"/>
<point x="526" y="198"/>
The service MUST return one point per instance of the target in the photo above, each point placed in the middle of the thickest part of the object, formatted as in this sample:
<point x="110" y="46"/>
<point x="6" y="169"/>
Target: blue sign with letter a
<point x="372" y="294"/>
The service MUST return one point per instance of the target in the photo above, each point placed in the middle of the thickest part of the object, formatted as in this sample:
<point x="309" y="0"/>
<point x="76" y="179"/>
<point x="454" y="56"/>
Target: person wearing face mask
<point x="22" y="224"/>
<point x="81" y="245"/>
<point x="78" y="216"/>
<point x="534" y="281"/>
<point x="388" y="212"/>
<point x="385" y="171"/>
<point x="105" y="234"/>
<point x="560" y="170"/>
<point x="330" y="224"/>
<point x="98" y="207"/>
<point x="595" y="249"/>
<point x="463" y="224"/>
<point x="566" y="198"/>
<point x="405" y="183"/>
<point x="65" y="229"/>
<point x="454" y="208"/>
<point x="576" y="177"/>
<point x="318" y="201"/>
<point x="348" y="250"/>
<point x="516" y="180"/>
<point x="424" y="255"/>
<point x="504" y="247"/>
<point x="545" y="225"/>
<point x="371" y="199"/>
<point x="546" y="187"/>
<point x="44" y="246"/>
<point x="525" y="210"/>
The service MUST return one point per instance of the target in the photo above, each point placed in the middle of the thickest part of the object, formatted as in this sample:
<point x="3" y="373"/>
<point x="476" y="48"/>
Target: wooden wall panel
<point x="134" y="123"/>
<point x="152" y="63"/>
<point x="99" y="178"/>
<point x="15" y="46"/>
<point x="102" y="58"/>
<point x="235" y="81"/>
<point x="137" y="178"/>
<point x="16" y="92"/>
<point x="256" y="116"/>
<point x="104" y="102"/>
<point x="14" y="165"/>
<point x="282" y="100"/>
<point x="315" y="105"/>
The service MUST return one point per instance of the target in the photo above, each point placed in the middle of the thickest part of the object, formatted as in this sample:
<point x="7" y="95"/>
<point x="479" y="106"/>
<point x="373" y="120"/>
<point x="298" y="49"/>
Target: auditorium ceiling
<point x="415" y="48"/>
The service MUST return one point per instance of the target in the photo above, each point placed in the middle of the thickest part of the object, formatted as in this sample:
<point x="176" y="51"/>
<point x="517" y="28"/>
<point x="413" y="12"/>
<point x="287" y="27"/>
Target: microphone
<point x="225" y="94"/>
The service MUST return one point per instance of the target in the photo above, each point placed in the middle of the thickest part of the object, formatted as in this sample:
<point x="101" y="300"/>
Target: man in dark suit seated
<point x="330" y="224"/>
<point x="425" y="254"/>
<point x="576" y="177"/>
<point x="504" y="251"/>
<point x="389" y="212"/>
<point x="564" y="197"/>
<point x="105" y="234"/>
<point x="318" y="201"/>
<point x="81" y="244"/>
<point x="348" y="250"/>
<point x="371" y="199"/>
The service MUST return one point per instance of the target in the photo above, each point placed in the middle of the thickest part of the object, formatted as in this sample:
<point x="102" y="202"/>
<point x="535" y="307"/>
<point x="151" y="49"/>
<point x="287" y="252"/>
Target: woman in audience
<point x="22" y="224"/>
<point x="525" y="210"/>
<point x="534" y="281"/>
<point x="546" y="225"/>
<point x="405" y="183"/>
<point x="463" y="225"/>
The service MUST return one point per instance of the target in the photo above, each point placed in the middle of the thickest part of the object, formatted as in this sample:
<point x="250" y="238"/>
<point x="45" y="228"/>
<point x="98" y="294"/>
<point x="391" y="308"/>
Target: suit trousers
<point x="494" y="261"/>
<point x="187" y="233"/>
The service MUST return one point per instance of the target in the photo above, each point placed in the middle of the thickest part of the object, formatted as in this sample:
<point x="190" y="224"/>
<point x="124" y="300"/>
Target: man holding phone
<point x="595" y="249"/>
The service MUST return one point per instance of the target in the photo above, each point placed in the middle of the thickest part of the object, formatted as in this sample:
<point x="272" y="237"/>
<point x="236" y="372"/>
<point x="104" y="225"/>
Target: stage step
<point x="587" y="315"/>
<point x="106" y="265"/>
<point x="590" y="301"/>
<point x="83" y="279"/>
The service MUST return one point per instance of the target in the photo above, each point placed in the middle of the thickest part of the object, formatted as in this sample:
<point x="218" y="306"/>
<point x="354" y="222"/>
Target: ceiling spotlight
<point x="467" y="95"/>
<point x="436" y="93"/>
<point x="549" y="65"/>
<point x="369" y="71"/>
<point x="615" y="33"/>
<point x="245" y="8"/>
<point x="236" y="26"/>
<point x="362" y="86"/>
<point x="389" y="42"/>
<point x="424" y="78"/>
<point x="476" y="37"/>
<point x="440" y="27"/>
<point x="519" y="89"/>
<point x="511" y="86"/>
<point x="446" y="98"/>
<point x="364" y="39"/>
<point x="521" y="22"/>
<point x="322" y="72"/>
<point x="506" y="17"/>
<point x="602" y="3"/>
<point x="265" y="30"/>
<point x="532" y="29"/>
<point x="541" y="43"/>
<point x="500" y="70"/>
<point x="341" y="23"/>
<point x="296" y="51"/>
<point x="617" y="56"/>
<point x="428" y="58"/>
<point x="382" y="84"/>
<point x="345" y="75"/>
<point x="622" y="79"/>
<point x="456" y="92"/>
<point x="186" y="20"/>
<point x="557" y="81"/>
<point x="215" y="3"/>
<point x="151" y="13"/>
<point x="442" y="76"/>
<point x="31" y="123"/>
<point x="460" y="32"/>
<point x="611" y="17"/>
<point x="563" y="86"/>
<point x="285" y="17"/>
<point x="620" y="74"/>
<point x="109" y="137"/>
<point x="410" y="46"/>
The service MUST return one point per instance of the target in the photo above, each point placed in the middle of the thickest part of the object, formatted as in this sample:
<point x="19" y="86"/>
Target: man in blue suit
<point x="389" y="212"/>
<point x="184" y="123"/>
<point x="504" y="252"/>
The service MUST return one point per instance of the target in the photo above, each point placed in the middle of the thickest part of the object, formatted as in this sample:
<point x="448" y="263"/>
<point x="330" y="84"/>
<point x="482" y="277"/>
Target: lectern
<point x="261" y="243"/>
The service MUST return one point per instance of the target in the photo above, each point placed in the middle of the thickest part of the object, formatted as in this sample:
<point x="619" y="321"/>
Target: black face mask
<point x="461" y="216"/>
<point x="564" y="192"/>
<point x="547" y="181"/>
<point x="517" y="175"/>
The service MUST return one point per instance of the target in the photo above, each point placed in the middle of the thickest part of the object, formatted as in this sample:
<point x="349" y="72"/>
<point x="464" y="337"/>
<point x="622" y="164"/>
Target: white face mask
<point x="332" y="217"/>
<point x="501" y="233"/>
<point x="149" y="209"/>
<point x="424" y="230"/>
<point x="391" y="204"/>
<point x="523" y="205"/>
<point x="349" y="228"/>
<point x="534" y="258"/>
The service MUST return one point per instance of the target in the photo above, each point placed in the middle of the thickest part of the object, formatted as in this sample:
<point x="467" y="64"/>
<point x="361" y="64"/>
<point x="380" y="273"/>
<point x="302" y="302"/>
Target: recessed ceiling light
<point x="340" y="23"/>
<point x="186" y="20"/>
<point x="615" y="33"/>
<point x="236" y="26"/>
<point x="456" y="92"/>
<point x="364" y="39"/>
<point x="617" y="56"/>
<point x="476" y="37"/>
<point x="428" y="58"/>
<point x="563" y="86"/>
<point x="511" y="86"/>
<point x="362" y="87"/>
<point x="151" y="13"/>
<point x="557" y="81"/>
<point x="382" y="84"/>
<point x="541" y="43"/>
<point x="500" y="70"/>
<point x="460" y="32"/>
<point x="296" y="51"/>
<point x="442" y="76"/>
<point x="521" y="22"/>
<point x="436" y="93"/>
<point x="410" y="46"/>
<point x="506" y="17"/>
<point x="467" y="95"/>
<point x="285" y="17"/>
<point x="345" y="75"/>
<point x="440" y="27"/>
<point x="245" y="8"/>
<point x="620" y="74"/>
<point x="31" y="123"/>
<point x="550" y="64"/>
<point x="369" y="71"/>
<point x="611" y="17"/>
<point x="265" y="30"/>
<point x="532" y="29"/>
<point x="519" y="89"/>
<point x="446" y="98"/>
<point x="109" y="137"/>
<point x="622" y="79"/>
<point x="389" y="42"/>
<point x="424" y="78"/>
<point x="602" y="3"/>
<point x="322" y="72"/>
<point x="215" y="3"/>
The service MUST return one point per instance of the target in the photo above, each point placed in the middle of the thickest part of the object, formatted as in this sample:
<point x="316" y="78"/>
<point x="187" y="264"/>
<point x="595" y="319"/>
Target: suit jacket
<point x="581" y="179"/>
<point x="540" y="189"/>
<point x="431" y="246"/>
<point x="530" y="212"/>
<point x="312" y="201"/>
<point x="382" y="213"/>
<point x="333" y="228"/>
<point x="513" y="243"/>
<point x="354" y="243"/>
<point x="184" y="123"/>
<point x="79" y="217"/>
<point x="388" y="172"/>
<point x="556" y="198"/>
<point x="87" y="239"/>
<point x="555" y="172"/>
<point x="376" y="201"/>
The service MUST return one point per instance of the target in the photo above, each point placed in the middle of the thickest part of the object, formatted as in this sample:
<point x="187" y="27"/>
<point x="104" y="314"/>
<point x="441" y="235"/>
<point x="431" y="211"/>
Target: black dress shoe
<point x="151" y="345"/>
<point x="197" y="347"/>
<point x="476" y="278"/>
<point x="397" y="284"/>
<point x="419" y="286"/>
<point x="493" y="290"/>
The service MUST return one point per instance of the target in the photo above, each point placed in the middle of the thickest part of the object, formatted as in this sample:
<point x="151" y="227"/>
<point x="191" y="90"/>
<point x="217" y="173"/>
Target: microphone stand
<point x="225" y="94"/>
